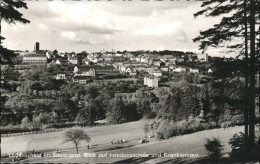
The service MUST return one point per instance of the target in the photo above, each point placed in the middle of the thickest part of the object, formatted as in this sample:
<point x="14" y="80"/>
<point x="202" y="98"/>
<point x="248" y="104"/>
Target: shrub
<point x="159" y="135"/>
<point x="237" y="145"/>
<point x="214" y="148"/>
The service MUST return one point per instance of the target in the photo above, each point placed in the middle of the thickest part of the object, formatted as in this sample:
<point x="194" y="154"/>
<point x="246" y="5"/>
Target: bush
<point x="159" y="135"/>
<point x="214" y="148"/>
<point x="237" y="145"/>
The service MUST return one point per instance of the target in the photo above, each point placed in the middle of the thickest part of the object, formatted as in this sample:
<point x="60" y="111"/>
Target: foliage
<point x="237" y="145"/>
<point x="11" y="15"/>
<point x="214" y="148"/>
<point x="24" y="123"/>
<point x="146" y="128"/>
<point x="75" y="136"/>
<point x="116" y="110"/>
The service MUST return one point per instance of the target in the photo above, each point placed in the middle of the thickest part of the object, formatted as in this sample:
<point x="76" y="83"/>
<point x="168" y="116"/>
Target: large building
<point x="35" y="58"/>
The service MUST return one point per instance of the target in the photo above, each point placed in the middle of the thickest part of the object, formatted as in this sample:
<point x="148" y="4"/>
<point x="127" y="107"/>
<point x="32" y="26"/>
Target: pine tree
<point x="11" y="15"/>
<point x="232" y="33"/>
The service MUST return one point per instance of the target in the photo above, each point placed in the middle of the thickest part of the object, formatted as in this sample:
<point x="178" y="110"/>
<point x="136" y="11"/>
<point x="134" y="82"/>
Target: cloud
<point x="145" y="8"/>
<point x="73" y="37"/>
<point x="174" y="29"/>
<point x="43" y="26"/>
<point x="83" y="17"/>
<point x="16" y="28"/>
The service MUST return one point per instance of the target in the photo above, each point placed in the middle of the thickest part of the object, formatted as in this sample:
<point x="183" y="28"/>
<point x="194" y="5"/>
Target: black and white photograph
<point x="130" y="81"/>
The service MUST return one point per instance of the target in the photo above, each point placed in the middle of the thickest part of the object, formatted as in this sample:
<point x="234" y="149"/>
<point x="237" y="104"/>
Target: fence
<point x="58" y="129"/>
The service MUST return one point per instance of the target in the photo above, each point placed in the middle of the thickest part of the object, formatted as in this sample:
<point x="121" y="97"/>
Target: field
<point x="47" y="141"/>
<point x="102" y="136"/>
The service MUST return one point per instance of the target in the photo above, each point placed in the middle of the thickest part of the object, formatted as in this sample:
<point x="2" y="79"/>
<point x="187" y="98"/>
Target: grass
<point x="190" y="143"/>
<point x="53" y="140"/>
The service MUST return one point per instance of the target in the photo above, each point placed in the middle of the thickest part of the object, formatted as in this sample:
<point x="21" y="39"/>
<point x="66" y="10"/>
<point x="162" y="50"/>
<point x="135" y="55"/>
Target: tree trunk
<point x="252" y="75"/>
<point x="77" y="148"/>
<point x="246" y="79"/>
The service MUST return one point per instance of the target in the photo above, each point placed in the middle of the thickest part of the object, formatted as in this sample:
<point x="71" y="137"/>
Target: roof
<point x="81" y="77"/>
<point x="85" y="68"/>
<point x="35" y="55"/>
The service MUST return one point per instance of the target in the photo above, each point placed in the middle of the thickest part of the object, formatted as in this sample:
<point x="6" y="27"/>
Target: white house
<point x="194" y="70"/>
<point x="179" y="69"/>
<point x="210" y="71"/>
<point x="151" y="81"/>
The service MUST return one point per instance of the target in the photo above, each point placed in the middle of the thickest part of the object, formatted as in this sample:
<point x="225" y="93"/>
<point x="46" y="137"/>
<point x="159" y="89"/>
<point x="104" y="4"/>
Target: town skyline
<point x="168" y="25"/>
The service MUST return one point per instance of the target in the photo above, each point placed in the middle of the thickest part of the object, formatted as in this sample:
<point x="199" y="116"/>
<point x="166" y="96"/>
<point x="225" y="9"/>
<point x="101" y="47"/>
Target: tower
<point x="37" y="46"/>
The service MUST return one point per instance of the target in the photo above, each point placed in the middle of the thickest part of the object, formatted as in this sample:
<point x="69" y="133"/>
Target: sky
<point x="105" y="25"/>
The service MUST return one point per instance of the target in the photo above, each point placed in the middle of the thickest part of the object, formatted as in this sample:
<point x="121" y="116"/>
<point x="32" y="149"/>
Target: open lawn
<point x="186" y="144"/>
<point x="53" y="140"/>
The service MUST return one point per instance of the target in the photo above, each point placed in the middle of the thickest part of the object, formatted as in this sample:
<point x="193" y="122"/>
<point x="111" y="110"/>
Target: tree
<point x="232" y="33"/>
<point x="214" y="148"/>
<point x="39" y="120"/>
<point x="146" y="128"/>
<point x="11" y="15"/>
<point x="116" y="110"/>
<point x="25" y="121"/>
<point x="75" y="136"/>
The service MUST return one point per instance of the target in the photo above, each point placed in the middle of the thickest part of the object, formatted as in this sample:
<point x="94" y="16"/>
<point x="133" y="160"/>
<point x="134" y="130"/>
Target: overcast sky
<point x="120" y="25"/>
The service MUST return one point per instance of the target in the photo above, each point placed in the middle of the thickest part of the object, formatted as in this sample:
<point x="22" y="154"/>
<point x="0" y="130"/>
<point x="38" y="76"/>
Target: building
<point x="210" y="71"/>
<point x="81" y="79"/>
<point x="194" y="70"/>
<point x="85" y="71"/>
<point x="151" y="81"/>
<point x="37" y="46"/>
<point x="164" y="68"/>
<point x="60" y="76"/>
<point x="73" y="60"/>
<point x="35" y="58"/>
<point x="131" y="71"/>
<point x="118" y="59"/>
<point x="179" y="69"/>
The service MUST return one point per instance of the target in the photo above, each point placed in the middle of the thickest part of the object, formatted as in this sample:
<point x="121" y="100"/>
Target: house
<point x="85" y="71"/>
<point x="35" y="59"/>
<point x="81" y="79"/>
<point x="104" y="70"/>
<point x="87" y="61"/>
<point x="202" y="60"/>
<point x="179" y="69"/>
<point x="147" y="60"/>
<point x="151" y="81"/>
<point x="61" y="62"/>
<point x="138" y="59"/>
<point x="164" y="68"/>
<point x="131" y="71"/>
<point x="180" y="60"/>
<point x="155" y="72"/>
<point x="49" y="54"/>
<point x="62" y="53"/>
<point x="60" y="76"/>
<point x="73" y="60"/>
<point x="172" y="66"/>
<point x="159" y="63"/>
<point x="107" y="58"/>
<point x="117" y="54"/>
<point x="194" y="70"/>
<point x="210" y="71"/>
<point x="118" y="59"/>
